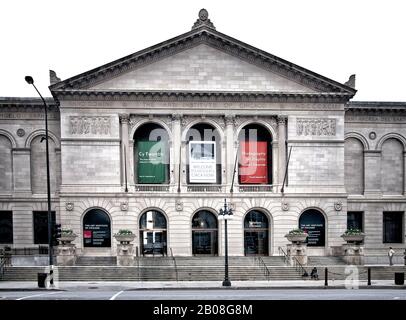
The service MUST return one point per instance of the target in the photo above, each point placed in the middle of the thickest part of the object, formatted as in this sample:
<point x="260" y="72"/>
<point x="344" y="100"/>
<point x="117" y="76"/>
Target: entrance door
<point x="204" y="242"/>
<point x="256" y="233"/>
<point x="204" y="233"/>
<point x="256" y="242"/>
<point x="153" y="233"/>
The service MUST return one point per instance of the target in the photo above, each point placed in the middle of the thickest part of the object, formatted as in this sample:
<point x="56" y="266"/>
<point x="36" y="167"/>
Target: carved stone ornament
<point x="124" y="206"/>
<point x="315" y="127"/>
<point x="21" y="132"/>
<point x="70" y="206"/>
<point x="90" y="125"/>
<point x="179" y="205"/>
<point x="372" y="135"/>
<point x="338" y="206"/>
<point x="203" y="20"/>
<point x="285" y="206"/>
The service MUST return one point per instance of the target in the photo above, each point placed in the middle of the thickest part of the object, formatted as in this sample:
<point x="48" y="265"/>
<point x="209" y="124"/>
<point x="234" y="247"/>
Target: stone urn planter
<point x="67" y="237"/>
<point x="124" y="236"/>
<point x="296" y="237"/>
<point x="353" y="236"/>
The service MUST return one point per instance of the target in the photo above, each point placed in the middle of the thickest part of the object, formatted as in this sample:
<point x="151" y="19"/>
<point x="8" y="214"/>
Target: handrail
<point x="263" y="267"/>
<point x="296" y="263"/>
<point x="174" y="262"/>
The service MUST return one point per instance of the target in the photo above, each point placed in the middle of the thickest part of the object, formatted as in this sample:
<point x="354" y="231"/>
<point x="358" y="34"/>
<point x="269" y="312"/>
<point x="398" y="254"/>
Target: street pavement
<point x="208" y="294"/>
<point x="204" y="290"/>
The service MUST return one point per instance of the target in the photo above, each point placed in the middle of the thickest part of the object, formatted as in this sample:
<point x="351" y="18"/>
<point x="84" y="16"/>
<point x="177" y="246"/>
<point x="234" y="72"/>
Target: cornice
<point x="207" y="96"/>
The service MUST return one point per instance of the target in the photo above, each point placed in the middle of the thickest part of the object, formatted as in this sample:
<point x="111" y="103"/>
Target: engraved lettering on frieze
<point x="315" y="127"/>
<point x="90" y="125"/>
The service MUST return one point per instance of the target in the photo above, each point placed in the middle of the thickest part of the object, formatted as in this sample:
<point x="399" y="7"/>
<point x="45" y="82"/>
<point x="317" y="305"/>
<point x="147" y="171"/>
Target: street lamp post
<point x="226" y="214"/>
<point x="30" y="80"/>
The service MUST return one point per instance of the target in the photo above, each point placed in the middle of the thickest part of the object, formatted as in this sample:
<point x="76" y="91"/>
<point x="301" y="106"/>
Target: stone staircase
<point x="195" y="269"/>
<point x="325" y="261"/>
<point x="96" y="261"/>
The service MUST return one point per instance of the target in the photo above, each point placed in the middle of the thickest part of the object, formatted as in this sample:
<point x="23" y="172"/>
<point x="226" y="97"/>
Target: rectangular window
<point x="6" y="227"/>
<point x="41" y="226"/>
<point x="354" y="220"/>
<point x="393" y="227"/>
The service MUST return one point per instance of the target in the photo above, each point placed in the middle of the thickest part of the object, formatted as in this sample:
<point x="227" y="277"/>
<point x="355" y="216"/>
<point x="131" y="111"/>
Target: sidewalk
<point x="197" y="285"/>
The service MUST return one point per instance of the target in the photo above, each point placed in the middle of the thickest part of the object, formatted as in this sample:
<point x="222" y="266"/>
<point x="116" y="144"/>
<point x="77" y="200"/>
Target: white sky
<point x="332" y="38"/>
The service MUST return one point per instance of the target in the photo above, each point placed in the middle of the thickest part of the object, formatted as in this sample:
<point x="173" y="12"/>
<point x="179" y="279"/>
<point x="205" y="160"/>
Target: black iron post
<point x="369" y="276"/>
<point x="326" y="277"/>
<point x="30" y="80"/>
<point x="226" y="214"/>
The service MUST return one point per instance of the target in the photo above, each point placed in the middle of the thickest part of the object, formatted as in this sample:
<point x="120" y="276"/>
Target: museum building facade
<point x="156" y="141"/>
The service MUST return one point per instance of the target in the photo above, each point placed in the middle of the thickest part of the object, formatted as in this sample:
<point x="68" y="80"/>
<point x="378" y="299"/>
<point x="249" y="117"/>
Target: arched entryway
<point x="96" y="229"/>
<point x="313" y="222"/>
<point x="203" y="157"/>
<point x="204" y="233"/>
<point x="256" y="233"/>
<point x="151" y="154"/>
<point x="255" y="155"/>
<point x="153" y="233"/>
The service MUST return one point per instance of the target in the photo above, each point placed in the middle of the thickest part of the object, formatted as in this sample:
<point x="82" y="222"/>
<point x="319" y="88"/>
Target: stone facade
<point x="343" y="156"/>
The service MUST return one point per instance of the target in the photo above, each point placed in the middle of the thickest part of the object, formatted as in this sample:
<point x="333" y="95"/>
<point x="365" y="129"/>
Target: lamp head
<point x="29" y="79"/>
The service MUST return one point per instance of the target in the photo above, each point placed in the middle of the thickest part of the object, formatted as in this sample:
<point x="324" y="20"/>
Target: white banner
<point x="202" y="162"/>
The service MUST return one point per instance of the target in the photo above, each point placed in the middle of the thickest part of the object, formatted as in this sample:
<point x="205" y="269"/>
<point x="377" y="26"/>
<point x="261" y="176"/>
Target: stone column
<point x="282" y="148"/>
<point x="372" y="169"/>
<point x="176" y="144"/>
<point x="124" y="119"/>
<point x="230" y="150"/>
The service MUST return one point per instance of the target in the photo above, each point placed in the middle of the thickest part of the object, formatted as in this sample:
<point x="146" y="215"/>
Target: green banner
<point x="151" y="165"/>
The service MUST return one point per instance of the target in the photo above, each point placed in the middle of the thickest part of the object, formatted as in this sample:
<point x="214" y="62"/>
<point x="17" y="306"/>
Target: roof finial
<point x="203" y="20"/>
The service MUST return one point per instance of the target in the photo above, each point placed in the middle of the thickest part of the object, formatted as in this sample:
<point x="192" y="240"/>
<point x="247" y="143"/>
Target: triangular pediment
<point x="202" y="68"/>
<point x="201" y="60"/>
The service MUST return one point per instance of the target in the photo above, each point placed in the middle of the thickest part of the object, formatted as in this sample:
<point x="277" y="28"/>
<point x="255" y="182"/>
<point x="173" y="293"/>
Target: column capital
<point x="229" y="119"/>
<point x="281" y="120"/>
<point x="177" y="117"/>
<point x="124" y="117"/>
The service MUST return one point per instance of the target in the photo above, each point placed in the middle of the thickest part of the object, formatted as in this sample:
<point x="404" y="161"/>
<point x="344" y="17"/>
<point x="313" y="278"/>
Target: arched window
<point x="151" y="154"/>
<point x="354" y="166"/>
<point x="203" y="158"/>
<point x="255" y="155"/>
<point x="204" y="233"/>
<point x="392" y="168"/>
<point x="312" y="221"/>
<point x="38" y="165"/>
<point x="153" y="231"/>
<point x="256" y="233"/>
<point x="6" y="170"/>
<point x="96" y="229"/>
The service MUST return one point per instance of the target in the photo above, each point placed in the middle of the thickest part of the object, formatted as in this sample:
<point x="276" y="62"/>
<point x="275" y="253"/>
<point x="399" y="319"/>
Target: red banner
<point x="253" y="162"/>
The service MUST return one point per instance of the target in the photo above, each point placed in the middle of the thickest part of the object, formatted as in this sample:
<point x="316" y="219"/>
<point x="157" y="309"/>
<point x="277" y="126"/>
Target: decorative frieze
<point x="316" y="127"/>
<point x="90" y="125"/>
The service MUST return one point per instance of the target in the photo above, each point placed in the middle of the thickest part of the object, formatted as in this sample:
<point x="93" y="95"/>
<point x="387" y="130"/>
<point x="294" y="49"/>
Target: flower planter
<point x="297" y="238"/>
<point x="125" y="238"/>
<point x="67" y="238"/>
<point x="353" y="238"/>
